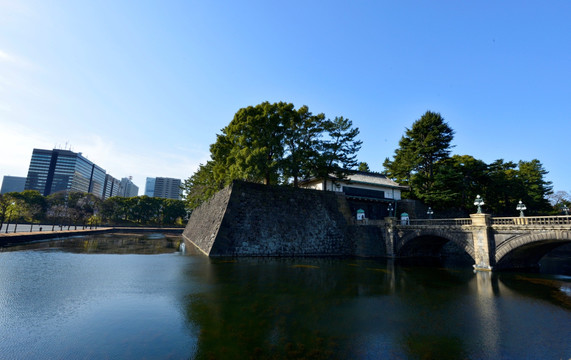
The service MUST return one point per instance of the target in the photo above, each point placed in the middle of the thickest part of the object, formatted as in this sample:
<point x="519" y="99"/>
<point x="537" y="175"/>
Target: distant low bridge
<point x="494" y="243"/>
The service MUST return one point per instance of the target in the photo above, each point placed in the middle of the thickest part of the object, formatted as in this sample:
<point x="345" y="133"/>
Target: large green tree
<point x="7" y="203"/>
<point x="256" y="136"/>
<point x="502" y="187"/>
<point x="147" y="209"/>
<point x="202" y="185"/>
<point x="302" y="137"/>
<point x="220" y="157"/>
<point x="173" y="212"/>
<point x="363" y="166"/>
<point x="507" y="183"/>
<point x="72" y="207"/>
<point x="426" y="144"/>
<point x="458" y="180"/>
<point x="275" y="144"/>
<point x="29" y="205"/>
<point x="338" y="152"/>
<point x="423" y="162"/>
<point x="536" y="188"/>
<point x="111" y="209"/>
<point x="143" y="210"/>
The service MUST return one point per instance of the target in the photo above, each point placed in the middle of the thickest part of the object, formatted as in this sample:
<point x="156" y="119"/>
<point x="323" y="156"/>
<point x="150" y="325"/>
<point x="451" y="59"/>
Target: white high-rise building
<point x="127" y="188"/>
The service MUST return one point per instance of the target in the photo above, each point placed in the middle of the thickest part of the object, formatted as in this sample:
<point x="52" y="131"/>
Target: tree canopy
<point x="278" y="144"/>
<point x="275" y="144"/>
<point x="74" y="208"/>
<point x="450" y="183"/>
<point x="422" y="146"/>
<point x="363" y="166"/>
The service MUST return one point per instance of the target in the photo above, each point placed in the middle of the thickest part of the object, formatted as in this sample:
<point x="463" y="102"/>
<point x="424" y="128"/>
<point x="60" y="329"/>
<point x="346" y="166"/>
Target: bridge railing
<point x="432" y="222"/>
<point x="532" y="220"/>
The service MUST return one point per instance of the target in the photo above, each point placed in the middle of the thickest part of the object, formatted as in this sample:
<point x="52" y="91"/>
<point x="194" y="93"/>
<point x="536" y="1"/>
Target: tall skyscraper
<point x="167" y="188"/>
<point x="150" y="187"/>
<point x="111" y="187"/>
<point x="12" y="184"/>
<point x="127" y="188"/>
<point x="55" y="170"/>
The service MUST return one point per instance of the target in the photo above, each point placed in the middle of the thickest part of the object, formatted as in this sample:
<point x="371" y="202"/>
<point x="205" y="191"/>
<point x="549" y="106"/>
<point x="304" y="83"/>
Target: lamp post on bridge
<point x="479" y="202"/>
<point x="390" y="209"/>
<point x="521" y="207"/>
<point x="429" y="212"/>
<point x="565" y="209"/>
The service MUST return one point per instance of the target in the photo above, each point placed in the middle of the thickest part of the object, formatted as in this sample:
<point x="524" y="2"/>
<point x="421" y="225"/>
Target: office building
<point x="166" y="188"/>
<point x="12" y="184"/>
<point x="127" y="188"/>
<point x="150" y="187"/>
<point x="56" y="170"/>
<point x="111" y="187"/>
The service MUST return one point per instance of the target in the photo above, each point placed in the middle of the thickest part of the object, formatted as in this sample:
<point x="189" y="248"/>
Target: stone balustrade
<point x="527" y="220"/>
<point x="439" y="222"/>
<point x="532" y="220"/>
<point x="490" y="241"/>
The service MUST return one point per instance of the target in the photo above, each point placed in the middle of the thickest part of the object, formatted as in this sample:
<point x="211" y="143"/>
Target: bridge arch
<point x="525" y="251"/>
<point x="414" y="242"/>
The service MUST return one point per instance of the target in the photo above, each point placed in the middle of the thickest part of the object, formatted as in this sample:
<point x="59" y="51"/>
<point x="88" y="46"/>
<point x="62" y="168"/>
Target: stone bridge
<point x="493" y="243"/>
<point x="247" y="219"/>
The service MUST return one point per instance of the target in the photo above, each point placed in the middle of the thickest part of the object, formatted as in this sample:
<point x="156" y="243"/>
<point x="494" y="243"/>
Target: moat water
<point x="137" y="297"/>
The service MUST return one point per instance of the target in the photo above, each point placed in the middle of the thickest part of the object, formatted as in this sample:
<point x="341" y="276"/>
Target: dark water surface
<point x="131" y="297"/>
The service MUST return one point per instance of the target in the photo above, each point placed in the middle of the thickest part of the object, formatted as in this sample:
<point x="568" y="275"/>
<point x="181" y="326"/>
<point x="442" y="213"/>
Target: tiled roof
<point x="362" y="177"/>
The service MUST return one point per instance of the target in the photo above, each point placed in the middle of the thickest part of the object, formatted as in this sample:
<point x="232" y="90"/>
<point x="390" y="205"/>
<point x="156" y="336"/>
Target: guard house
<point x="370" y="192"/>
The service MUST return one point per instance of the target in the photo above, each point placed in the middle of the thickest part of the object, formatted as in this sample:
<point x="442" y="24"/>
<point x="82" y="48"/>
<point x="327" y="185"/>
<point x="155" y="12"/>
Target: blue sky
<point x="142" y="87"/>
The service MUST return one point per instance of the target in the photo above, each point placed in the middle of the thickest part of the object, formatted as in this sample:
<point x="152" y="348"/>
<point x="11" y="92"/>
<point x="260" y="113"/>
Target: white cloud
<point x="15" y="60"/>
<point x="16" y="145"/>
<point x="5" y="57"/>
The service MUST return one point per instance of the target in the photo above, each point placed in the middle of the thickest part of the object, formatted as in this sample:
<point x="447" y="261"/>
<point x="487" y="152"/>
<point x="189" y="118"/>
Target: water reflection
<point x="554" y="289"/>
<point x="285" y="311"/>
<point x="347" y="308"/>
<point x="321" y="308"/>
<point x="79" y="299"/>
<point x="152" y="243"/>
<point x="59" y="301"/>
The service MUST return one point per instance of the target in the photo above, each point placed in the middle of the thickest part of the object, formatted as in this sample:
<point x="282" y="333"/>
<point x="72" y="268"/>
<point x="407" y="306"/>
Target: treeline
<point x="70" y="208"/>
<point x="275" y="144"/>
<point x="278" y="144"/>
<point x="449" y="184"/>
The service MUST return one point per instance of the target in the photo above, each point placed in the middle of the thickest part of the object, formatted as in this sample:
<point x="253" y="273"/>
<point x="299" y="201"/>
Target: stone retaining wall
<point x="205" y="221"/>
<point x="249" y="219"/>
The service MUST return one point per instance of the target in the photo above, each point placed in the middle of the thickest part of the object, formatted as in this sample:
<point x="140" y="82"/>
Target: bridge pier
<point x="391" y="223"/>
<point x="484" y="247"/>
